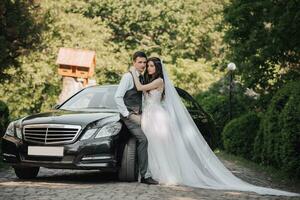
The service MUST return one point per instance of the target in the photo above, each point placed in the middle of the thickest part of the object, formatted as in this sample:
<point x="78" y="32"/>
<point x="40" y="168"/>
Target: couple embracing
<point x="170" y="148"/>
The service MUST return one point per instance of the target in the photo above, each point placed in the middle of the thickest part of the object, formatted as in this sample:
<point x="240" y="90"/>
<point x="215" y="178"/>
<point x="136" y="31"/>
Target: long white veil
<point x="199" y="166"/>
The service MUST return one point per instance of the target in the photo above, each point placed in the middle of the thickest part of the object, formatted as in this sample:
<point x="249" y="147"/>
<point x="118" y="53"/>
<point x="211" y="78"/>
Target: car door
<point x="200" y="117"/>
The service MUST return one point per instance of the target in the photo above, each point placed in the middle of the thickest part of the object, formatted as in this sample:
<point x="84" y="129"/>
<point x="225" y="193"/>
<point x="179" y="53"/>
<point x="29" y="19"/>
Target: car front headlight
<point x="109" y="130"/>
<point x="10" y="129"/>
<point x="18" y="128"/>
<point x="14" y="129"/>
<point x="18" y="132"/>
<point x="88" y="133"/>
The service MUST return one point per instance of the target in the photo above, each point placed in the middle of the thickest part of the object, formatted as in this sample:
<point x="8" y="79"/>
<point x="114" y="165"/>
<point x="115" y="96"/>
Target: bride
<point x="177" y="152"/>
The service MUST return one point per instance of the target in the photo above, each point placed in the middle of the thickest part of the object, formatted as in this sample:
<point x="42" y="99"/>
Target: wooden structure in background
<point x="77" y="63"/>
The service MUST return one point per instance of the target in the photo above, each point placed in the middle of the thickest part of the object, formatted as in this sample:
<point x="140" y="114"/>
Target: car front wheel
<point x="26" y="172"/>
<point x="129" y="170"/>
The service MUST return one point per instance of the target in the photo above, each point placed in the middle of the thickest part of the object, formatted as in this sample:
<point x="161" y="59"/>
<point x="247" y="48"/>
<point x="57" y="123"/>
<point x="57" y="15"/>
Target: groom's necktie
<point x="141" y="77"/>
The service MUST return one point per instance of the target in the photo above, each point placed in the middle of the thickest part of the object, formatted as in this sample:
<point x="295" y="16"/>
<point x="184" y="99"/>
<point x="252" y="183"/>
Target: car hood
<point x="82" y="118"/>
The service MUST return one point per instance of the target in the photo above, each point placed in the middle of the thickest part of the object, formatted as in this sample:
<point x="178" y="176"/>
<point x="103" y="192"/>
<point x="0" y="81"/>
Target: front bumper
<point x="102" y="153"/>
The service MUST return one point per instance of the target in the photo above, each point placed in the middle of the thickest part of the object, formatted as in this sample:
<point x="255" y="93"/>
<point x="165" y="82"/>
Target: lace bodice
<point x="152" y="97"/>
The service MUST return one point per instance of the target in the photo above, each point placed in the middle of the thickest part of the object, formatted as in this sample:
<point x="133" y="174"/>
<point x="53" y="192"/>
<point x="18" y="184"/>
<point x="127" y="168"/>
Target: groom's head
<point x="139" y="59"/>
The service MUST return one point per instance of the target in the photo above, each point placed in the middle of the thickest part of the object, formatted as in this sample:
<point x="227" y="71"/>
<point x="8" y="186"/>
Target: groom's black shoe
<point x="149" y="181"/>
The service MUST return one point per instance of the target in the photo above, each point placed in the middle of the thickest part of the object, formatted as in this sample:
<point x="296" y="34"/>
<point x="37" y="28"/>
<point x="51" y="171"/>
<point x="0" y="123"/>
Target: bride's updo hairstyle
<point x="158" y="71"/>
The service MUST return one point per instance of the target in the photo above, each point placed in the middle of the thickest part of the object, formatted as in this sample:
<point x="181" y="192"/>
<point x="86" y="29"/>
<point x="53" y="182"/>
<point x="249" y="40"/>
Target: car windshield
<point x="92" y="98"/>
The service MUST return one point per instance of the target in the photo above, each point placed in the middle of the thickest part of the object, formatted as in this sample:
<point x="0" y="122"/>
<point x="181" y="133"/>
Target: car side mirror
<point x="55" y="106"/>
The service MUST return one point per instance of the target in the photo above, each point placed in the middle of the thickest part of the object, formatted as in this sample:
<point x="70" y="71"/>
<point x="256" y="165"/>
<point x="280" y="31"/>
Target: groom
<point x="129" y="102"/>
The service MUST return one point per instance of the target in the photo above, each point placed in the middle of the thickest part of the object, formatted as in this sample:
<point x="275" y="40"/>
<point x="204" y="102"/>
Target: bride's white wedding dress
<point x="177" y="152"/>
<point x="162" y="159"/>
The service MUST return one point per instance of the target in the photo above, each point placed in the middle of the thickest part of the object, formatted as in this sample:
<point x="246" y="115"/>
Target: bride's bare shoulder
<point x="160" y="80"/>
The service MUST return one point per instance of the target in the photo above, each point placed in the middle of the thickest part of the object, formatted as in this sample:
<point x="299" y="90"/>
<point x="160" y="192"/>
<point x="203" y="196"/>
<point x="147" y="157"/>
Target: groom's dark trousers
<point x="133" y="123"/>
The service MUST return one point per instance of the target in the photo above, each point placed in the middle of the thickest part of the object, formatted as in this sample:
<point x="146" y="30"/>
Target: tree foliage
<point x="173" y="29"/>
<point x="77" y="24"/>
<point x="193" y="76"/>
<point x="19" y="31"/>
<point x="36" y="84"/>
<point x="263" y="39"/>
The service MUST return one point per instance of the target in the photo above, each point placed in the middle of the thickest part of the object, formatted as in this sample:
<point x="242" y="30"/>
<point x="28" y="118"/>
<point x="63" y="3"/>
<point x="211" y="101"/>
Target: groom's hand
<point x="135" y="118"/>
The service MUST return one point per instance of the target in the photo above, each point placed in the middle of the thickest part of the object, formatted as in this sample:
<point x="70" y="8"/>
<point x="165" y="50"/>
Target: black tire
<point x="26" y="172"/>
<point x="129" y="171"/>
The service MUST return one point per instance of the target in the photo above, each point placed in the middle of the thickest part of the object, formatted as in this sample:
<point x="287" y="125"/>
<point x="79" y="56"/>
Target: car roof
<point x="102" y="86"/>
<point x="116" y="85"/>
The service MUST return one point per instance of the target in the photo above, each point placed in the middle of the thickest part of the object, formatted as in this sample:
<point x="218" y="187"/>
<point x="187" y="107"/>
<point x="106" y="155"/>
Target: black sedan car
<point x="84" y="132"/>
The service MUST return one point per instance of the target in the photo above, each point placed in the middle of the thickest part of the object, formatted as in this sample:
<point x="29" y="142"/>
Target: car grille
<point x="51" y="133"/>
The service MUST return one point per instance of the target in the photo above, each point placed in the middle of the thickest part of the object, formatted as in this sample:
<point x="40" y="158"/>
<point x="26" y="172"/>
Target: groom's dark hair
<point x="139" y="54"/>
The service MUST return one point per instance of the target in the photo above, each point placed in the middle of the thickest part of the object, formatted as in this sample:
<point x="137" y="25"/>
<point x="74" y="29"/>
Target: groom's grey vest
<point x="133" y="99"/>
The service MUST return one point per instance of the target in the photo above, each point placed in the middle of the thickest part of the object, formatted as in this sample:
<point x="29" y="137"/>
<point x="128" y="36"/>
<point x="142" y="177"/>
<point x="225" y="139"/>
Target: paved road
<point x="71" y="185"/>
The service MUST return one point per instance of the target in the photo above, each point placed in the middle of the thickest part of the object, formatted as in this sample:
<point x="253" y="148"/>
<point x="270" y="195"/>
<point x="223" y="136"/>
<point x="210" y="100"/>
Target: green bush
<point x="215" y="101"/>
<point x="4" y="119"/>
<point x="278" y="141"/>
<point x="215" y="104"/>
<point x="4" y="113"/>
<point x="239" y="134"/>
<point x="290" y="136"/>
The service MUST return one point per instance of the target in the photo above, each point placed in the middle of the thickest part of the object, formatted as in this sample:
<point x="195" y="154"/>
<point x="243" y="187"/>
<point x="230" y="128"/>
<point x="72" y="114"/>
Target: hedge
<point x="278" y="140"/>
<point x="239" y="135"/>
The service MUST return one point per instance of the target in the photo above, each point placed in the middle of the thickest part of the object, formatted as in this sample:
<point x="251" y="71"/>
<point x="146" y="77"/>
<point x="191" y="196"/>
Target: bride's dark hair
<point x="158" y="71"/>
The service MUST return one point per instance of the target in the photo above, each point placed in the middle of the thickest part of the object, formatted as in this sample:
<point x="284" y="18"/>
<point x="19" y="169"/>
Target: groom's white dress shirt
<point x="126" y="84"/>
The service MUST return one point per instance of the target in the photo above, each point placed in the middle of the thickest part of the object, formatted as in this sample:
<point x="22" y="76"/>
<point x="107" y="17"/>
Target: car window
<point x="189" y="103"/>
<point x="93" y="98"/>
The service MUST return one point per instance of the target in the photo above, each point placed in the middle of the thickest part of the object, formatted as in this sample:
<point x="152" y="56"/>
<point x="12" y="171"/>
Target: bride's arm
<point x="150" y="86"/>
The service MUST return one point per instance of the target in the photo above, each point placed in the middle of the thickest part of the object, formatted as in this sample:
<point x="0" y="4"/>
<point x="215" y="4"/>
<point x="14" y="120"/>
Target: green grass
<point x="276" y="175"/>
